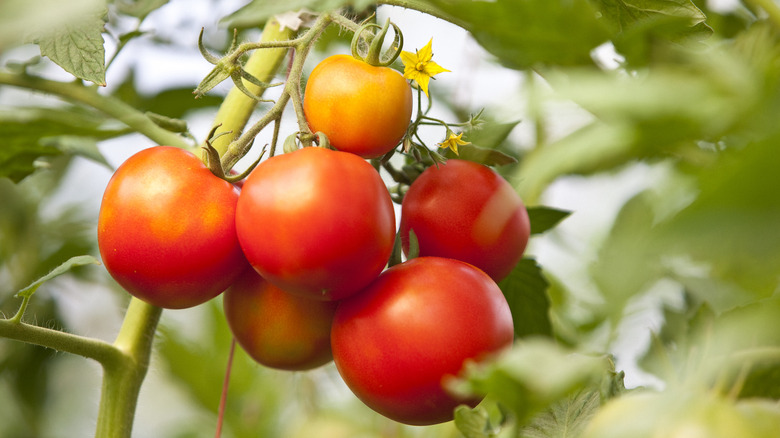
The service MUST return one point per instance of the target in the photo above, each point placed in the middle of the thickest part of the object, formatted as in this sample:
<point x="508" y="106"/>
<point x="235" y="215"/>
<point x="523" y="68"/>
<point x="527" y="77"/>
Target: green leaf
<point x="566" y="418"/>
<point x="82" y="146"/>
<point x="139" y="8"/>
<point x="524" y="34"/>
<point x="734" y="351"/>
<point x="489" y="134"/>
<point x="488" y="157"/>
<point x="26" y="19"/>
<point x="473" y="423"/>
<point x="532" y="376"/>
<point x="629" y="259"/>
<point x="545" y="218"/>
<point x="259" y="11"/>
<point x="643" y="27"/>
<point x="731" y="225"/>
<point x="59" y="270"/>
<point x="32" y="133"/>
<point x="78" y="48"/>
<point x="525" y="290"/>
<point x="18" y="162"/>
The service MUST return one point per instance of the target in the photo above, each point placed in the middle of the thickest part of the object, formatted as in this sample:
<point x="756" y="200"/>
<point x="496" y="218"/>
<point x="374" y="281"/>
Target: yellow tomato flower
<point x="453" y="141"/>
<point x="418" y="66"/>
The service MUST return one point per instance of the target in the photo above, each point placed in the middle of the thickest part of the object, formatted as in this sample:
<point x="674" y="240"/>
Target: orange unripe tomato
<point x="278" y="329"/>
<point x="362" y="109"/>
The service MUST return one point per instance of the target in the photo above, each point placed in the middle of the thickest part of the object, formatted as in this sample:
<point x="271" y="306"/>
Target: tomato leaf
<point x="532" y="376"/>
<point x="490" y="134"/>
<point x="59" y="270"/>
<point x="629" y="260"/>
<point x="545" y="218"/>
<point x="472" y="423"/>
<point x="33" y="133"/>
<point x="25" y="19"/>
<point x="82" y="146"/>
<point x="566" y="418"/>
<point x="642" y="26"/>
<point x="78" y="48"/>
<point x="488" y="157"/>
<point x="139" y="8"/>
<point x="525" y="290"/>
<point x="523" y="34"/>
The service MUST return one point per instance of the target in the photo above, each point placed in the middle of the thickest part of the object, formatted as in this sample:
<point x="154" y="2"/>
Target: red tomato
<point x="400" y="338"/>
<point x="362" y="109"/>
<point x="316" y="222"/>
<point x="466" y="211"/>
<point x="166" y="229"/>
<point x="278" y="329"/>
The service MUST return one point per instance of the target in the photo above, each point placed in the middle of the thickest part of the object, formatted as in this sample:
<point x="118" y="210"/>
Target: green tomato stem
<point x="263" y="64"/>
<point x="90" y="348"/>
<point x="292" y="91"/>
<point x="122" y="377"/>
<point x="116" y="108"/>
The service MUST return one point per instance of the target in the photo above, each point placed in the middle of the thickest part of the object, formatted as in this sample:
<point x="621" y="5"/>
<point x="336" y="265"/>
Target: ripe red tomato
<point x="466" y="211"/>
<point x="362" y="109"/>
<point x="166" y="229"/>
<point x="316" y="222"/>
<point x="395" y="342"/>
<point x="278" y="329"/>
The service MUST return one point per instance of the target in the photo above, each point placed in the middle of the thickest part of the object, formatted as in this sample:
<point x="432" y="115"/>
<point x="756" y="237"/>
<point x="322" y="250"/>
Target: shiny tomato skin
<point x="413" y="327"/>
<point x="466" y="211"/>
<point x="278" y="329"/>
<point x="166" y="229"/>
<point x="316" y="222"/>
<point x="362" y="109"/>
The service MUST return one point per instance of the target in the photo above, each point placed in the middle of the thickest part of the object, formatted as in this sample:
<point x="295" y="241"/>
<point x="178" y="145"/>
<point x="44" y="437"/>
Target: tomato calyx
<point x="368" y="48"/>
<point x="213" y="160"/>
<point x="318" y="139"/>
<point x="228" y="66"/>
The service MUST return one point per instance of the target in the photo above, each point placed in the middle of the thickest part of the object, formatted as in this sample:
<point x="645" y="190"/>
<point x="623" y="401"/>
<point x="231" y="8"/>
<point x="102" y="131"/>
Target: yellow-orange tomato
<point x="362" y="109"/>
<point x="278" y="329"/>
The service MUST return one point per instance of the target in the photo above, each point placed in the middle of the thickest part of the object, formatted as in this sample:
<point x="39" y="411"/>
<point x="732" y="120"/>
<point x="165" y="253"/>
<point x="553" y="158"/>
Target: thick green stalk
<point x="122" y="378"/>
<point x="263" y="64"/>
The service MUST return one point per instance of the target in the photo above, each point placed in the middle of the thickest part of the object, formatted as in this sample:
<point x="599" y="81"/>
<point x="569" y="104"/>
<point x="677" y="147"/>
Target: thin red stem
<point x="225" y="385"/>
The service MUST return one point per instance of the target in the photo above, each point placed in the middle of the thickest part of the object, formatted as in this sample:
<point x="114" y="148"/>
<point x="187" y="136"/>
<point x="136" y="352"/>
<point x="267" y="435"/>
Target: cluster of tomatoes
<point x="302" y="249"/>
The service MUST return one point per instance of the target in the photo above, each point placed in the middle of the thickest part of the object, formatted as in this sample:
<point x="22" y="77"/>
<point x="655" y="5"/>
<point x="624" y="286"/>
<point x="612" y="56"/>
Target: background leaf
<point x="534" y="374"/>
<point x="545" y="218"/>
<point x="78" y="48"/>
<point x="525" y="290"/>
<point x="524" y="34"/>
<point x="32" y="133"/>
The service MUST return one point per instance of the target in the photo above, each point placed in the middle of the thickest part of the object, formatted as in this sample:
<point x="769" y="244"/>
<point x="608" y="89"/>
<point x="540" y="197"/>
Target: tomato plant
<point x="278" y="329"/>
<point x="655" y="122"/>
<point x="466" y="211"/>
<point x="316" y="222"/>
<point x="363" y="109"/>
<point x="398" y="341"/>
<point x="166" y="229"/>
